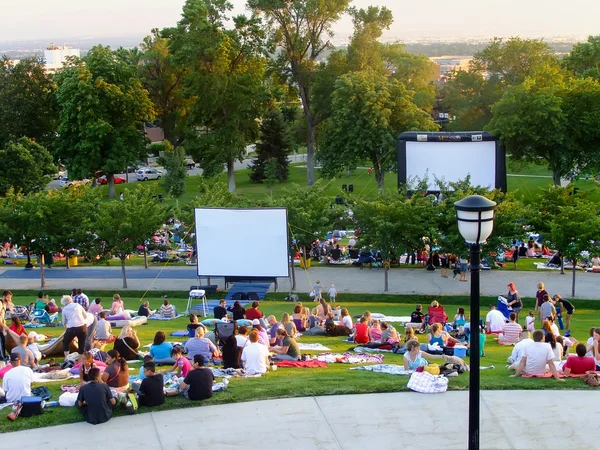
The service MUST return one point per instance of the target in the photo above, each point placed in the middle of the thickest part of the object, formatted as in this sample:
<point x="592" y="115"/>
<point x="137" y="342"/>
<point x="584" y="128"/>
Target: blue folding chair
<point x="41" y="316"/>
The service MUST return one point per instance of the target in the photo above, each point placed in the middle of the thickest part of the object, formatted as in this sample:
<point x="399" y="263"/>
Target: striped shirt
<point x="512" y="332"/>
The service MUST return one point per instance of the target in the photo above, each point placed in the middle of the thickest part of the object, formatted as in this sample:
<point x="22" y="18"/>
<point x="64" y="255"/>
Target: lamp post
<point x="475" y="216"/>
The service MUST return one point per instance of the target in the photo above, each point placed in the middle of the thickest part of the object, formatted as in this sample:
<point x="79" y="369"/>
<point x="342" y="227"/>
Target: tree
<point x="226" y="72"/>
<point x="164" y="79"/>
<point x="103" y="107"/>
<point x="368" y="113"/>
<point x="173" y="160"/>
<point x="275" y="145"/>
<point x="574" y="230"/>
<point x="584" y="58"/>
<point x="298" y="29"/>
<point x="27" y="166"/>
<point x="27" y="102"/>
<point x="270" y="172"/>
<point x="365" y="51"/>
<point x="123" y="225"/>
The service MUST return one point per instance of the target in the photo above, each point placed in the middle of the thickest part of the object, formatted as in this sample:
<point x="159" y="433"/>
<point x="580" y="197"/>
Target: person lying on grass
<point x="415" y="357"/>
<point x="537" y="357"/>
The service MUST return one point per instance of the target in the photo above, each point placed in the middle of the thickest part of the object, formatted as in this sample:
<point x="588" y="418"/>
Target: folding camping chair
<point x="224" y="330"/>
<point x="42" y="316"/>
<point x="21" y="312"/>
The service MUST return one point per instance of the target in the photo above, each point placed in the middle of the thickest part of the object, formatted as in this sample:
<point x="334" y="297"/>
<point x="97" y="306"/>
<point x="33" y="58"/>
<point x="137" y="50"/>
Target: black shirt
<point x="220" y="312"/>
<point x="416" y="317"/>
<point x="143" y="311"/>
<point x="97" y="396"/>
<point x="151" y="391"/>
<point x="125" y="351"/>
<point x="568" y="306"/>
<point x="200" y="382"/>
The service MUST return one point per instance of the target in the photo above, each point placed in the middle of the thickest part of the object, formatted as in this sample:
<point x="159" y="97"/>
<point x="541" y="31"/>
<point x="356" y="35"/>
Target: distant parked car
<point x="132" y="169"/>
<point x="148" y="174"/>
<point x="65" y="182"/>
<point x="118" y="180"/>
<point x="190" y="163"/>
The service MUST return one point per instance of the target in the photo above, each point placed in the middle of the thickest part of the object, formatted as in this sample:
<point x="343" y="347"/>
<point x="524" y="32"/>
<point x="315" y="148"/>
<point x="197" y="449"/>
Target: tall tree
<point x="365" y="51"/>
<point x="164" y="79"/>
<point x="584" y="58"/>
<point x="225" y="78"/>
<point x="368" y="113"/>
<point x="275" y="145"/>
<point x="103" y="107"/>
<point x="27" y="166"/>
<point x="122" y="226"/>
<point x="27" y="102"/>
<point x="299" y="29"/>
<point x="173" y="160"/>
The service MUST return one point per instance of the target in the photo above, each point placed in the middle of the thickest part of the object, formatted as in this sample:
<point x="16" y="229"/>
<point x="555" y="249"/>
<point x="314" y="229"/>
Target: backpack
<point x="592" y="379"/>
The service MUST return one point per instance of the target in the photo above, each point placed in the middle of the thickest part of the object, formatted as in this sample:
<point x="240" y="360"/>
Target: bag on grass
<point x="592" y="379"/>
<point x="32" y="406"/>
<point x="426" y="383"/>
<point x="68" y="399"/>
<point x="42" y="392"/>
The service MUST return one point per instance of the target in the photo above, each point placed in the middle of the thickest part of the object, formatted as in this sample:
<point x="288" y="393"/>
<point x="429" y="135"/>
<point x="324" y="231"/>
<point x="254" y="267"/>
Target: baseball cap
<point x="256" y="322"/>
<point x="15" y="357"/>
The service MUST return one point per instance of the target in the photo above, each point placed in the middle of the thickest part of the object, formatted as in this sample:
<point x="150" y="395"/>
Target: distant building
<point x="56" y="56"/>
<point x="154" y="134"/>
<point x="449" y="64"/>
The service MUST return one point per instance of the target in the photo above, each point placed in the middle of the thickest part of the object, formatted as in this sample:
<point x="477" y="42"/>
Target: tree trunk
<point x="66" y="253"/>
<point x="123" y="272"/>
<point x="379" y="175"/>
<point x="293" y="270"/>
<point x="556" y="177"/>
<point x="562" y="265"/>
<point x="573" y="284"/>
<point x="28" y="265"/>
<point x="42" y="271"/>
<point x="231" y="175"/>
<point x="111" y="185"/>
<point x="310" y="133"/>
<point x="386" y="269"/>
<point x="145" y="257"/>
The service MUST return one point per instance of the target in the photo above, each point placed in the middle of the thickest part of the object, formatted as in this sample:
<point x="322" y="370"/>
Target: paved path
<point x="525" y="420"/>
<point x="346" y="279"/>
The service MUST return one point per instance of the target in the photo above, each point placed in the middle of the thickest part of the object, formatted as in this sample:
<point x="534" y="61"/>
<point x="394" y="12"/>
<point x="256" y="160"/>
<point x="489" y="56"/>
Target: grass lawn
<point x="333" y="380"/>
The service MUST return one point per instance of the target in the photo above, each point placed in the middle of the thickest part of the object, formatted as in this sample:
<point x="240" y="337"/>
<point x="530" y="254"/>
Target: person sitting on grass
<point x="388" y="334"/>
<point x="511" y="331"/>
<point x="288" y="351"/>
<point x="579" y="364"/>
<point x="182" y="365"/>
<point x="253" y="312"/>
<point x="96" y="306"/>
<point x="161" y="350"/>
<point x="346" y="319"/>
<point x="167" y="311"/>
<point x="116" y="374"/>
<point x="440" y="337"/>
<point x="95" y="400"/>
<point x="117" y="306"/>
<point x="288" y="324"/>
<point x="415" y="357"/>
<point x="199" y="381"/>
<point x="34" y="347"/>
<point x="144" y="310"/>
<point x="151" y="392"/>
<point x="417" y="319"/>
<point x="148" y="358"/>
<point x="193" y="325"/>
<point x="27" y="358"/>
<point x="16" y="326"/>
<point x="299" y="319"/>
<point x="409" y="335"/>
<point x="103" y="328"/>
<point x="459" y="318"/>
<point x="241" y="337"/>
<point x="17" y="381"/>
<point x="537" y="357"/>
<point x="255" y="356"/>
<point x="556" y="347"/>
<point x="274" y="326"/>
<point x="127" y="343"/>
<point x="200" y="345"/>
<point x="375" y="331"/>
<point x="517" y="354"/>
<point x="494" y="321"/>
<point x="220" y="311"/>
<point x="87" y="364"/>
<point x="263" y="337"/>
<point x="361" y="331"/>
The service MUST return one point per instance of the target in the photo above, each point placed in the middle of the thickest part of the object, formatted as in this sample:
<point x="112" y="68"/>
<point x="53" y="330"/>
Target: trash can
<point x="73" y="261"/>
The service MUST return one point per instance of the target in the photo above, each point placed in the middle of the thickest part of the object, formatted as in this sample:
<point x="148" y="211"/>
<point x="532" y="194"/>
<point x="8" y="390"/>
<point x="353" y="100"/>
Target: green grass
<point x="336" y="378"/>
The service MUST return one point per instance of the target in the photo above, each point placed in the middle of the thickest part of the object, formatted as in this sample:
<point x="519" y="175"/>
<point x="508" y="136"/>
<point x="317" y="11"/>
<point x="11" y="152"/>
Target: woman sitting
<point x="167" y="310"/>
<point x="440" y="337"/>
<point x="289" y="326"/>
<point x="323" y="309"/>
<point x="117" y="305"/>
<point x="459" y="318"/>
<point x="263" y="337"/>
<point x="16" y="326"/>
<point x="288" y="351"/>
<point x="388" y="334"/>
<point x="299" y="318"/>
<point x="237" y="310"/>
<point x="116" y="374"/>
<point x="200" y="345"/>
<point x="161" y="350"/>
<point x="127" y="343"/>
<point x="375" y="331"/>
<point x="346" y="319"/>
<point x="409" y="335"/>
<point x="557" y="348"/>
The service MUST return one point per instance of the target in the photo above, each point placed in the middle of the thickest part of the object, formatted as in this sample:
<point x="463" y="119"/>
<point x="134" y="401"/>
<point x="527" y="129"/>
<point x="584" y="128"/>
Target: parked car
<point x="148" y="174"/>
<point x="118" y="180"/>
<point x="190" y="163"/>
<point x="132" y="169"/>
<point x="65" y="182"/>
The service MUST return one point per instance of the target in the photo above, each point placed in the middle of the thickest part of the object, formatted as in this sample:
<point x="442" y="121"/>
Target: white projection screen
<point x="451" y="157"/>
<point x="242" y="242"/>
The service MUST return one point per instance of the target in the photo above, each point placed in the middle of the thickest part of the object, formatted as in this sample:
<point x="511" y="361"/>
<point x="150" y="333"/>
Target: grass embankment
<point x="333" y="380"/>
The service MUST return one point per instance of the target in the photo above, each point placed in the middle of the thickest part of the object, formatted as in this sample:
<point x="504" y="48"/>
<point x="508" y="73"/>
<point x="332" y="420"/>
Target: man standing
<point x="511" y="331"/>
<point x="197" y="385"/>
<point x="255" y="356"/>
<point x="494" y="321"/>
<point x="95" y="400"/>
<point x="536" y="357"/>
<point x="74" y="318"/>
<point x="17" y="381"/>
<point x="220" y="311"/>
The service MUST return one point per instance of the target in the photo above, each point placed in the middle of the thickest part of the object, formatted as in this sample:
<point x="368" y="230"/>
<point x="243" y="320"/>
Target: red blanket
<point x="311" y="364"/>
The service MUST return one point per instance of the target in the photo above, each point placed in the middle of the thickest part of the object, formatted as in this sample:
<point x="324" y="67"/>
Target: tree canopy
<point x="27" y="166"/>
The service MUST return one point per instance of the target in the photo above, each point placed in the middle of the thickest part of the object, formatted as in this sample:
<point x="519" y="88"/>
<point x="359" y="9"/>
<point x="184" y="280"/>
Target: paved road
<point x="346" y="279"/>
<point x="524" y="420"/>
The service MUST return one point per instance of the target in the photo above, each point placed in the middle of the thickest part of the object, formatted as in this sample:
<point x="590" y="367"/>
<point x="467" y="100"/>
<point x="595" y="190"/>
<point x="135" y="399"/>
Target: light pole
<point x="475" y="216"/>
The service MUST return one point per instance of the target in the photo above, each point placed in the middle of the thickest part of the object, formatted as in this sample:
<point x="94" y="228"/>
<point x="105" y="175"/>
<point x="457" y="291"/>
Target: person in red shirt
<point x="361" y="334"/>
<point x="580" y="364"/>
<point x="16" y="326"/>
<point x="254" y="313"/>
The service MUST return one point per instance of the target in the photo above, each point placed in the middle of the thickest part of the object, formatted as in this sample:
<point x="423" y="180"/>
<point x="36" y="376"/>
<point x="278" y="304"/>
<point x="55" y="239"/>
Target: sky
<point x="52" y="19"/>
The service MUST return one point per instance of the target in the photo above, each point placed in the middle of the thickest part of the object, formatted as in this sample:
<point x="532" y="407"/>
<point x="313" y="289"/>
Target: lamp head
<point x="475" y="216"/>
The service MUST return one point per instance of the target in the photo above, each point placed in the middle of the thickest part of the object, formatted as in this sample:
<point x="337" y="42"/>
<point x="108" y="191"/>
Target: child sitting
<point x="375" y="331"/>
<point x="415" y="358"/>
<point x="361" y="334"/>
<point x="337" y="311"/>
<point x="459" y="318"/>
<point x="103" y="328"/>
<point x="530" y="322"/>
<point x="166" y="310"/>
<point x="182" y="365"/>
<point x="388" y="334"/>
<point x="147" y="359"/>
<point x="417" y="319"/>
<point x="409" y="335"/>
<point x="330" y="320"/>
<point x="34" y="348"/>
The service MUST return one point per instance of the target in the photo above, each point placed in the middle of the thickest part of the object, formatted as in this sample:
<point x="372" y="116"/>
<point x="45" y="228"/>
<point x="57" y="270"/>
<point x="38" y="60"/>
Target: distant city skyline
<point x="44" y="20"/>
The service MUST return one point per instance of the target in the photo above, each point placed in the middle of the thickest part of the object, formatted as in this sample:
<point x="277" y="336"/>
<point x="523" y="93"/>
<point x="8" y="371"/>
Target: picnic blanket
<point x="390" y="369"/>
<point x="159" y="317"/>
<point x="361" y="349"/>
<point x="350" y="358"/>
<point x="49" y="377"/>
<point x="313" y="347"/>
<point x="231" y="373"/>
<point x="180" y="333"/>
<point x="305" y="364"/>
<point x="384" y="318"/>
<point x="504" y="342"/>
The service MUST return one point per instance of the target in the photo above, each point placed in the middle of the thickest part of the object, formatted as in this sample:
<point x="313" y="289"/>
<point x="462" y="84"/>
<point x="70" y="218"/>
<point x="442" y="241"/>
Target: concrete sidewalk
<point x="525" y="420"/>
<point x="346" y="279"/>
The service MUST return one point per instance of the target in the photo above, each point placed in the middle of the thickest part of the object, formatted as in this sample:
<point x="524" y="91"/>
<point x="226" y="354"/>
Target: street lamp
<point x="475" y="216"/>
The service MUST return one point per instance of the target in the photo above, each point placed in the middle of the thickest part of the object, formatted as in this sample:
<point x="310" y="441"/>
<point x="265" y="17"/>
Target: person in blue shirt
<point x="161" y="350"/>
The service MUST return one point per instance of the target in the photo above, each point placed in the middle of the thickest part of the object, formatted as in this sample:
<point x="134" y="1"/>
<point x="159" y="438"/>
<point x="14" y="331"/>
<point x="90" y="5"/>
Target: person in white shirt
<point x="242" y="336"/>
<point x="74" y="318"/>
<point x="536" y="357"/>
<point x="103" y="329"/>
<point x="17" y="381"/>
<point x="494" y="321"/>
<point x="346" y="319"/>
<point x="517" y="353"/>
<point x="255" y="356"/>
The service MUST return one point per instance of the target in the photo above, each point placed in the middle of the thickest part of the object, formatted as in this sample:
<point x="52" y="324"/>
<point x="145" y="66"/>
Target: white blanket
<point x="38" y="377"/>
<point x="390" y="369"/>
<point x="313" y="347"/>
<point x="395" y="319"/>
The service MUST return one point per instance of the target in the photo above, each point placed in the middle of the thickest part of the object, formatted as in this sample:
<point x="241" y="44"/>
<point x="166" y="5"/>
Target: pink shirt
<point x="95" y="308"/>
<point x="116" y="306"/>
<point x="185" y="365"/>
